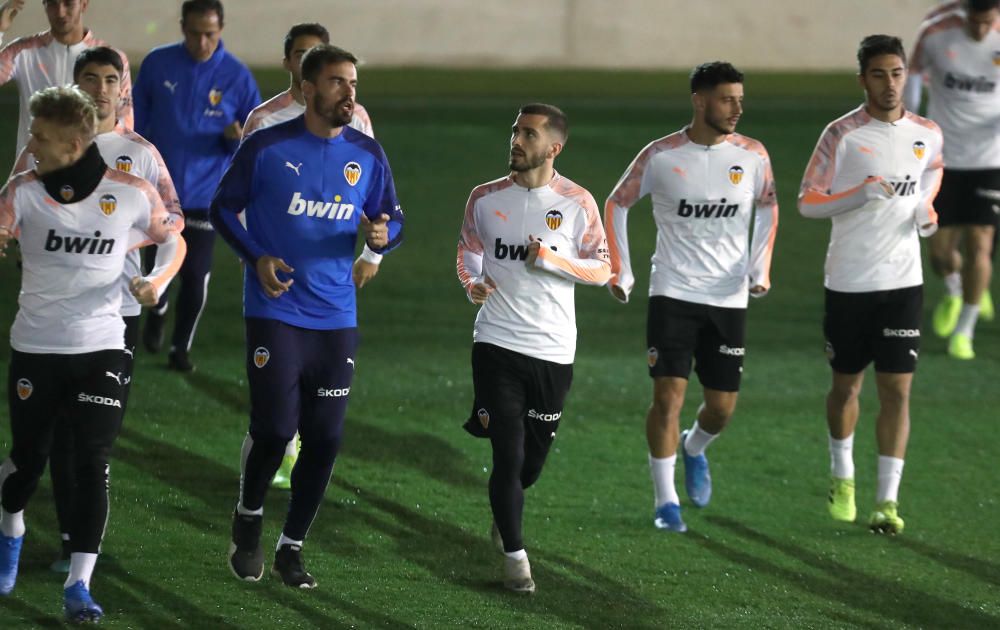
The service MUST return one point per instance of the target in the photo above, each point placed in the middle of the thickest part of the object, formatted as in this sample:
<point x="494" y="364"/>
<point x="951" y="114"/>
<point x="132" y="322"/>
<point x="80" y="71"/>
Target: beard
<point x="527" y="162"/>
<point x="332" y="112"/>
<point x="720" y="124"/>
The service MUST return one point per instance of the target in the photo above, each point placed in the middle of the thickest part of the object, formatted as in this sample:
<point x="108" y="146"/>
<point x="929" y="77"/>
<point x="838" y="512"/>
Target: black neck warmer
<point x="76" y="181"/>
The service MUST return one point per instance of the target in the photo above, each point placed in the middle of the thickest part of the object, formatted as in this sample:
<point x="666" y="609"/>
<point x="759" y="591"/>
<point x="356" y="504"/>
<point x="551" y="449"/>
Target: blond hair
<point x="69" y="107"/>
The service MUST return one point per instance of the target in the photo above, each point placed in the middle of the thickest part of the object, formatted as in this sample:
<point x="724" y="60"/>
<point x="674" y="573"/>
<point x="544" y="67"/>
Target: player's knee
<point x="842" y="395"/>
<point x="31" y="465"/>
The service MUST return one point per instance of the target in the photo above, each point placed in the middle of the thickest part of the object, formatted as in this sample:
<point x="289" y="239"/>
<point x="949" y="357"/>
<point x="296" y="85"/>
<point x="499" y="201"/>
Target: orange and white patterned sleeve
<point x="469" y="261"/>
<point x="125" y="113"/>
<point x="165" y="188"/>
<point x="8" y="56"/>
<point x="816" y="201"/>
<point x="625" y="194"/>
<point x="8" y="215"/>
<point x="363" y="120"/>
<point x="594" y="263"/>
<point x="21" y="163"/>
<point x="925" y="216"/>
<point x="765" y="227"/>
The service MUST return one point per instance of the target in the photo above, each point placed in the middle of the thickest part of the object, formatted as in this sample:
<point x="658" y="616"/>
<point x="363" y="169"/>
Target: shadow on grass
<point x="861" y="591"/>
<point x="577" y="594"/>
<point x="979" y="568"/>
<point x="226" y="392"/>
<point x="27" y="615"/>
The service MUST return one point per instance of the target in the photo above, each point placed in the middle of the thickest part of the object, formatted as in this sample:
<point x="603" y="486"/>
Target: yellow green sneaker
<point x="946" y="315"/>
<point x="885" y="519"/>
<point x="842" y="507"/>
<point x="986" y="311"/>
<point x="960" y="347"/>
<point x="283" y="478"/>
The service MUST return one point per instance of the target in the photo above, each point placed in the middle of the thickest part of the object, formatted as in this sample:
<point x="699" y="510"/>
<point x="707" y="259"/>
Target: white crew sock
<point x="842" y="457"/>
<point x="662" y="472"/>
<point x="890" y="472"/>
<point x="953" y="284"/>
<point x="698" y="440"/>
<point x="967" y="320"/>
<point x="285" y="540"/>
<point x="520" y="554"/>
<point x="245" y="512"/>
<point x="81" y="567"/>
<point x="11" y="523"/>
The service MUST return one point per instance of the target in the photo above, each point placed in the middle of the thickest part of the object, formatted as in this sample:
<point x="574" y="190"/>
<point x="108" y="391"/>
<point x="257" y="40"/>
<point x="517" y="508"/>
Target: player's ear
<point x="555" y="149"/>
<point x="308" y="90"/>
<point x="286" y="63"/>
<point x="697" y="101"/>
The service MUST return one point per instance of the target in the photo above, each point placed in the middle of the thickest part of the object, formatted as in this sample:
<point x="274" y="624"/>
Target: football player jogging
<point x="526" y="241"/>
<point x="191" y="99"/>
<point x="46" y="59"/>
<point x="959" y="52"/>
<point x="73" y="216"/>
<point x="98" y="72"/>
<point x="874" y="173"/>
<point x="299" y="298"/>
<point x="285" y="106"/>
<point x="708" y="186"/>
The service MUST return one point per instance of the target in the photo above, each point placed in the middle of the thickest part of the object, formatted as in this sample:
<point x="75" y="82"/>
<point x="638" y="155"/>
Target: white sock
<point x="285" y="540"/>
<point x="953" y="284"/>
<point x="81" y="567"/>
<point x="890" y="472"/>
<point x="662" y="472"/>
<point x="520" y="554"/>
<point x="11" y="523"/>
<point x="292" y="448"/>
<point x="698" y="440"/>
<point x="967" y="320"/>
<point x="245" y="512"/>
<point x="842" y="457"/>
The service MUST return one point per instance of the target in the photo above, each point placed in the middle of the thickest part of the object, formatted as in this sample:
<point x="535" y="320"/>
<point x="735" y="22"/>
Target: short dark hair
<point x="101" y="55"/>
<point x="875" y="45"/>
<point x="711" y="74"/>
<point x="310" y="28"/>
<point x="201" y="7"/>
<point x="318" y="57"/>
<point x="556" y="119"/>
<point x="980" y="6"/>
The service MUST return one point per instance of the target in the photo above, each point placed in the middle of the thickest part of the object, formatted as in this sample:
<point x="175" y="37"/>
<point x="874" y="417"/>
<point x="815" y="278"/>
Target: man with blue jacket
<point x="190" y="99"/>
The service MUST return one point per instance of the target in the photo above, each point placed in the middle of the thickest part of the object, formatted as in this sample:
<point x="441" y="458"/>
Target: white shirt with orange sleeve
<point x="874" y="240"/>
<point x="72" y="258"/>
<point x="531" y="311"/>
<point x="283" y="108"/>
<point x="39" y="61"/>
<point x="963" y="81"/>
<point x="704" y="200"/>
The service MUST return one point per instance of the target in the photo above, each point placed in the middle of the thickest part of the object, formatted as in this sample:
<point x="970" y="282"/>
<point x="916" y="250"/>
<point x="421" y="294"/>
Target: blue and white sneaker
<point x="668" y="516"/>
<point x="79" y="606"/>
<point x="697" y="478"/>
<point x="10" y="553"/>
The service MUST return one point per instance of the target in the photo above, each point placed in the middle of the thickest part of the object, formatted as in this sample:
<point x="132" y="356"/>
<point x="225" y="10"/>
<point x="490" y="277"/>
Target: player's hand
<point x="267" y="272"/>
<point x="877" y="188"/>
<point x="533" y="248"/>
<point x="234" y="131"/>
<point x="481" y="291"/>
<point x="143" y="291"/>
<point x="757" y="290"/>
<point x="9" y="11"/>
<point x="377" y="231"/>
<point x="362" y="272"/>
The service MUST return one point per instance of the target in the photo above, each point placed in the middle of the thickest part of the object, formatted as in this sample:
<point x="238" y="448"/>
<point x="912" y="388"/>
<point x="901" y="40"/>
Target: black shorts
<point x="879" y="326"/>
<point x="678" y="332"/>
<point x="512" y="387"/>
<point x="299" y="379"/>
<point x="969" y="198"/>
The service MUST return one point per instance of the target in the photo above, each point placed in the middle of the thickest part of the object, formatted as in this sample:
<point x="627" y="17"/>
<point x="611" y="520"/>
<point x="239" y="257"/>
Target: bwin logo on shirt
<point x="321" y="209"/>
<point x="515" y="252"/>
<point x="79" y="244"/>
<point x="904" y="188"/>
<point x="708" y="210"/>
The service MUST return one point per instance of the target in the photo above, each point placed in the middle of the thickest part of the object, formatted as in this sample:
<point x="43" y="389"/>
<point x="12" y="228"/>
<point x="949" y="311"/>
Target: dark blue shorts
<point x="299" y="379"/>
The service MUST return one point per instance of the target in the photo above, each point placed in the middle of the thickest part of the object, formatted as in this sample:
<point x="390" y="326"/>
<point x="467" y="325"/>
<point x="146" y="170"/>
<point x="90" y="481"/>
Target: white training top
<point x="874" y="244"/>
<point x="704" y="198"/>
<point x="72" y="257"/>
<point x="283" y="107"/>
<point x="963" y="79"/>
<point x="532" y="310"/>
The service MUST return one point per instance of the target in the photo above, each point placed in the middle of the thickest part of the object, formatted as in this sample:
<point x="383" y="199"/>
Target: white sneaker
<point x="517" y="576"/>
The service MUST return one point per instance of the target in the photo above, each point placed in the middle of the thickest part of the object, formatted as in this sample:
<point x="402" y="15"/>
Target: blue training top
<point x="303" y="196"/>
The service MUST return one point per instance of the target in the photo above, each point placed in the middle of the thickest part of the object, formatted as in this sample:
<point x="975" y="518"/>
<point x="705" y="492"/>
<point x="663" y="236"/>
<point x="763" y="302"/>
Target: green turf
<point x="402" y="540"/>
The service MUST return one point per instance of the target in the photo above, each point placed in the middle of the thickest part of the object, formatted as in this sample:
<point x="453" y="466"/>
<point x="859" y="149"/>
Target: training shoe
<point x="697" y="478"/>
<point x="668" y="516"/>
<point x="885" y="519"/>
<point x="986" y="310"/>
<point x="946" y="314"/>
<point x="289" y="567"/>
<point x="496" y="537"/>
<point x="246" y="558"/>
<point x="152" y="332"/>
<point x="178" y="360"/>
<point x="517" y="576"/>
<point x="842" y="506"/>
<point x="79" y="606"/>
<point x="283" y="478"/>
<point x="960" y="347"/>
<point x="10" y="553"/>
<point x="61" y="564"/>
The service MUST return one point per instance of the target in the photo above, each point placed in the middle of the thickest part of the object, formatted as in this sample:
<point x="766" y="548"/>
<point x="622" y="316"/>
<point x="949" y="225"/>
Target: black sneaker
<point x="246" y="558"/>
<point x="179" y="361"/>
<point x="152" y="333"/>
<point x="288" y="566"/>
